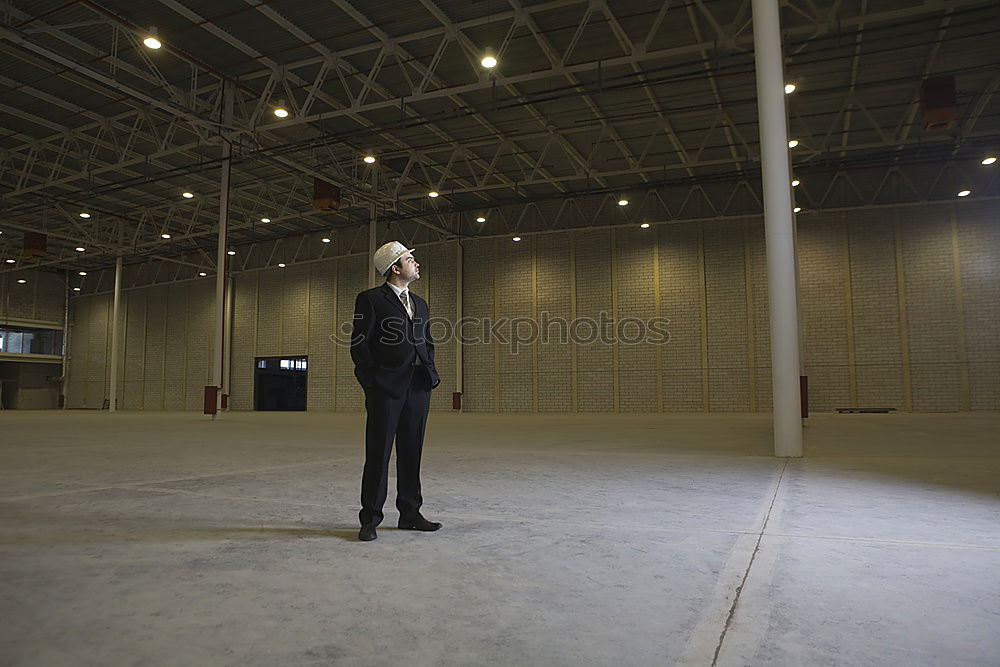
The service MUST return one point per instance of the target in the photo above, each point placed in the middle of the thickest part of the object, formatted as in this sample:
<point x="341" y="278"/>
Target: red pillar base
<point x="804" y="394"/>
<point x="211" y="400"/>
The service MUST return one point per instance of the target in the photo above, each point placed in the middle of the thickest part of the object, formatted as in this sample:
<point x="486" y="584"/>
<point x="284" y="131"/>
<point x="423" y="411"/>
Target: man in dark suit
<point x="394" y="361"/>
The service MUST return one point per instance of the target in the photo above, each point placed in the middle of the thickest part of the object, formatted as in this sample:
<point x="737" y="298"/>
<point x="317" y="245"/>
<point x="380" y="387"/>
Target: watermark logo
<point x="520" y="332"/>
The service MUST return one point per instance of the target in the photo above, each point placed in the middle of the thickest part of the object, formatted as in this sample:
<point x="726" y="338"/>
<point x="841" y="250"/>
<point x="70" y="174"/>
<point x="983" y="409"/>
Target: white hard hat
<point x="387" y="255"/>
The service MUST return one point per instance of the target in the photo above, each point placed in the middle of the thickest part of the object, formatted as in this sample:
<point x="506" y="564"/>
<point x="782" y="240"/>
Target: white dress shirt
<point x="409" y="308"/>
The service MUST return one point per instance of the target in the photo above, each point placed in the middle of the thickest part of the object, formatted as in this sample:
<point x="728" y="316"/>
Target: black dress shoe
<point x="418" y="523"/>
<point x="367" y="533"/>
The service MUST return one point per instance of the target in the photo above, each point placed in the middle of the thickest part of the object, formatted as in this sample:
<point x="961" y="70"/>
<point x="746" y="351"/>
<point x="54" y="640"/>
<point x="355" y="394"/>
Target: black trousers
<point x="403" y="419"/>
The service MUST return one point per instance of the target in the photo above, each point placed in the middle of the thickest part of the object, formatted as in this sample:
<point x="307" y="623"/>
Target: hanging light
<point x="516" y="238"/>
<point x="11" y="261"/>
<point x="281" y="265"/>
<point x="280" y="111"/>
<point x="80" y="249"/>
<point x="964" y="193"/>
<point x="792" y="143"/>
<point x="644" y="225"/>
<point x="789" y="88"/>
<point x="796" y="209"/>
<point x="81" y="273"/>
<point x="432" y="194"/>
<point x="623" y="202"/>
<point x="489" y="60"/>
<point x="164" y="235"/>
<point x="795" y="183"/>
<point x="480" y="219"/>
<point x="265" y="220"/>
<point x="202" y="274"/>
<point x="76" y="289"/>
<point x="151" y="40"/>
<point x="187" y="195"/>
<point x="230" y="252"/>
<point x="84" y="215"/>
<point x="369" y="159"/>
<point x="21" y="281"/>
<point x="989" y="160"/>
<point x="326" y="239"/>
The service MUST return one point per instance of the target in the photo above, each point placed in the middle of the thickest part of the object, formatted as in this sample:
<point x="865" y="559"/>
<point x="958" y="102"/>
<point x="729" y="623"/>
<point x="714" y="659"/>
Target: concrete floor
<point x="165" y="539"/>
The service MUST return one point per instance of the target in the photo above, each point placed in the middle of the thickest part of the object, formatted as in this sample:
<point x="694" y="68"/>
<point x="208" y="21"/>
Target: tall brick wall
<point x="899" y="309"/>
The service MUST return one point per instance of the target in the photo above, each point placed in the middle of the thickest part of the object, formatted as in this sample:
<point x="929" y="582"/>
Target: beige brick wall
<point x="978" y="250"/>
<point x="823" y="297"/>
<point x="595" y="384"/>
<point x="155" y="354"/>
<point x="437" y="285"/>
<point x="323" y="355"/>
<point x="89" y="343"/>
<point x="725" y="290"/>
<point x="635" y="297"/>
<point x="554" y="279"/>
<point x="245" y="291"/>
<point x="875" y="309"/>
<point x="682" y="302"/>
<point x="899" y="309"/>
<point x="479" y="377"/>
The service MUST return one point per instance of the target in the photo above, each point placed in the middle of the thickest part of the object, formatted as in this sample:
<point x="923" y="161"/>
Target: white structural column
<point x="375" y="280"/>
<point x="220" y="253"/>
<point x="115" y="335"/>
<point x="459" y="347"/>
<point x="227" y="337"/>
<point x="64" y="387"/>
<point x="778" y="229"/>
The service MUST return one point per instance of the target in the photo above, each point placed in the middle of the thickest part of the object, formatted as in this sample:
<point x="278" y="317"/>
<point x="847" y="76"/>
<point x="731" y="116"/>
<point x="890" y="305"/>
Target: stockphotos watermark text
<point x="518" y="332"/>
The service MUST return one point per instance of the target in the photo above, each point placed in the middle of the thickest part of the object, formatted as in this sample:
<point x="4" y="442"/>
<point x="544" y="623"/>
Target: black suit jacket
<point x="385" y="343"/>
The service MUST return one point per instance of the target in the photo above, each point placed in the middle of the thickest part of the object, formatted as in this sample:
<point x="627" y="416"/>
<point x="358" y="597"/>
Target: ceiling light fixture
<point x="11" y="261"/>
<point x="151" y="40"/>
<point x="84" y="215"/>
<point x="76" y="289"/>
<point x="796" y="209"/>
<point x="792" y="143"/>
<point x="644" y="225"/>
<point x="280" y="111"/>
<point x="164" y="236"/>
<point x="22" y="281"/>
<point x="623" y="202"/>
<point x="489" y="60"/>
<point x="516" y="238"/>
<point x="202" y="274"/>
<point x="281" y="265"/>
<point x="795" y="183"/>
<point x="326" y="240"/>
<point x="265" y="220"/>
<point x="480" y="219"/>
<point x="964" y="193"/>
<point x="369" y="159"/>
<point x="789" y="88"/>
<point x="989" y="160"/>
<point x="432" y="194"/>
<point x="80" y="248"/>
<point x="187" y="195"/>
<point x="81" y="273"/>
<point x="230" y="252"/>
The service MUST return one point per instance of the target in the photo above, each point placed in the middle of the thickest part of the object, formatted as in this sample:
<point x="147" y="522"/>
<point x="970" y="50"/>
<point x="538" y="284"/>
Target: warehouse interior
<point x="611" y="232"/>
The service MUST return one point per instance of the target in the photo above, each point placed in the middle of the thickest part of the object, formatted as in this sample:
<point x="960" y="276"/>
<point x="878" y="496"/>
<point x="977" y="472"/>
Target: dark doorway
<point x="280" y="383"/>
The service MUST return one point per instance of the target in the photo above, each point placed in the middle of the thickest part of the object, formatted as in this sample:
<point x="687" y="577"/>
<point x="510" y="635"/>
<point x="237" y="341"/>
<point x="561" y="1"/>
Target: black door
<point x="280" y="383"/>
